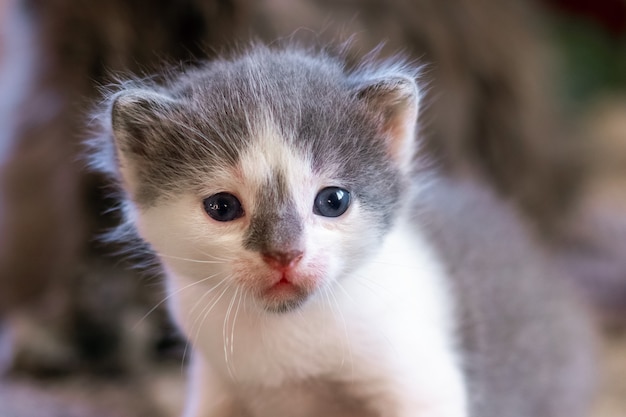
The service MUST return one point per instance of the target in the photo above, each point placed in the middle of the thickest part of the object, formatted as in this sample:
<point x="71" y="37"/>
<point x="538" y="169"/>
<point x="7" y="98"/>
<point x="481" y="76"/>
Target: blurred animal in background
<point x="489" y="116"/>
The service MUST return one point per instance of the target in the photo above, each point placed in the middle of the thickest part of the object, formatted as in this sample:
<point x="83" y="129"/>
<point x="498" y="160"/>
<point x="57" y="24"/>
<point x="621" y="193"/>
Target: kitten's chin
<point x="284" y="297"/>
<point x="283" y="307"/>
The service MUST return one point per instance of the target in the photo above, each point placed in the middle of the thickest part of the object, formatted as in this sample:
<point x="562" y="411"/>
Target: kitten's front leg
<point x="429" y="389"/>
<point x="207" y="394"/>
<point x="407" y="402"/>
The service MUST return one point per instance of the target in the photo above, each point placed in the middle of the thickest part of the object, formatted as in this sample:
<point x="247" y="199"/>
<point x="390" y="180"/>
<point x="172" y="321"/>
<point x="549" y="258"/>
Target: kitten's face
<point x="272" y="192"/>
<point x="270" y="225"/>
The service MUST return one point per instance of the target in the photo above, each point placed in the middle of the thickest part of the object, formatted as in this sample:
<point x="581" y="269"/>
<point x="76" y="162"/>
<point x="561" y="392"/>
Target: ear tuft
<point x="137" y="116"/>
<point x="395" y="102"/>
<point x="393" y="90"/>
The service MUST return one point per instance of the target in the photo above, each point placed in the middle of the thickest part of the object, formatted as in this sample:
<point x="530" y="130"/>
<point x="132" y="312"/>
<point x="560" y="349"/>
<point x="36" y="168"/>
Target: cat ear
<point x="138" y="120"/>
<point x="395" y="102"/>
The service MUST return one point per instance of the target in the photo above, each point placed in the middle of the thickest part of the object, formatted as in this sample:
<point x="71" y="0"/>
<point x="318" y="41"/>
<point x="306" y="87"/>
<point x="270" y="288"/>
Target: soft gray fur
<point x="204" y="118"/>
<point x="524" y="343"/>
<point x="527" y="343"/>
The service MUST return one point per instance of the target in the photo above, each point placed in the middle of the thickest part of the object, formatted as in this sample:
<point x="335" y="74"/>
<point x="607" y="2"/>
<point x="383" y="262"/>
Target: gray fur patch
<point x="275" y="226"/>
<point x="213" y="113"/>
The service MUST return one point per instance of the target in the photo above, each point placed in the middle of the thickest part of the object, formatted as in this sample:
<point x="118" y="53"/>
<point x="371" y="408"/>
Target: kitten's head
<point x="275" y="173"/>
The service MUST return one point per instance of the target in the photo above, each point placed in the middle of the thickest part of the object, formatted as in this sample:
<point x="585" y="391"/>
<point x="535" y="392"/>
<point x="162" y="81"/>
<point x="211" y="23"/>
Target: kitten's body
<point x="354" y="340"/>
<point x="380" y="309"/>
<point x="525" y="339"/>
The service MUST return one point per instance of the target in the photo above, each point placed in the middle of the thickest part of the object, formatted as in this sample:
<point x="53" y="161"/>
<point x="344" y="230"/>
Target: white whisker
<point x="189" y="259"/>
<point x="207" y="292"/>
<point x="346" y="293"/>
<point x="145" y="316"/>
<point x="225" y="339"/>
<point x="376" y="288"/>
<point x="206" y="310"/>
<point x="232" y="331"/>
<point x="232" y="335"/>
<point x="345" y="330"/>
<point x="217" y="258"/>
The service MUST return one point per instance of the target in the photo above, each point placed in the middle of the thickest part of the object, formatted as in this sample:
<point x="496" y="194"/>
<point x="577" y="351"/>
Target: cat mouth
<point x="284" y="295"/>
<point x="282" y="282"/>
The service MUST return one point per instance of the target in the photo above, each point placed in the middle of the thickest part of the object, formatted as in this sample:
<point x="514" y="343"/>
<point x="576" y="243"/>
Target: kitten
<point x="492" y="116"/>
<point x="309" y="265"/>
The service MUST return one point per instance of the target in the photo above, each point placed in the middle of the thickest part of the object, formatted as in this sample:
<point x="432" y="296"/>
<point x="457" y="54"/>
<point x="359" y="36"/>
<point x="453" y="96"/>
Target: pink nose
<point x="282" y="260"/>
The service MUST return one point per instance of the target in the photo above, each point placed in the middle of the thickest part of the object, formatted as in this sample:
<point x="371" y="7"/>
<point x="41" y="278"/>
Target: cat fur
<point x="423" y="299"/>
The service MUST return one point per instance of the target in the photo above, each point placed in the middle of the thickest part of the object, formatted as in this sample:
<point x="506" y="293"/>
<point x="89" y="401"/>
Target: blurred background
<point x="529" y="95"/>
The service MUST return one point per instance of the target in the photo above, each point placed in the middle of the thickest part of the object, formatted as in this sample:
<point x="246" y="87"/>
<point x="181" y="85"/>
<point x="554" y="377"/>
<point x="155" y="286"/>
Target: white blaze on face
<point x="270" y="153"/>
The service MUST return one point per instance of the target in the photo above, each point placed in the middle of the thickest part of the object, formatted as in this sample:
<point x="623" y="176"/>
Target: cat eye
<point x="331" y="202"/>
<point x="223" y="207"/>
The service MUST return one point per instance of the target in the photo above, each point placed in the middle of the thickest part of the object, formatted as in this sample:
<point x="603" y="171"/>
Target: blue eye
<point x="223" y="207"/>
<point x="331" y="202"/>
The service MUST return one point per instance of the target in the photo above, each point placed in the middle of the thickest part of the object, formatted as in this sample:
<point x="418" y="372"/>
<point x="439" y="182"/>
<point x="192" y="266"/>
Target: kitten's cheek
<point x="321" y="270"/>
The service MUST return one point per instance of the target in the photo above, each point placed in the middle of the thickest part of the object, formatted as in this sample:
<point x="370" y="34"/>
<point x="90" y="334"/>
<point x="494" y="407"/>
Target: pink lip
<point x="283" y="281"/>
<point x="283" y="284"/>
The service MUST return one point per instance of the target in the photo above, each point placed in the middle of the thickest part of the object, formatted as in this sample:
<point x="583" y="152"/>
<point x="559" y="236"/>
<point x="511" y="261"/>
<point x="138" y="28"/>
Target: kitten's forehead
<point x="282" y="123"/>
<point x="270" y="154"/>
<point x="279" y="178"/>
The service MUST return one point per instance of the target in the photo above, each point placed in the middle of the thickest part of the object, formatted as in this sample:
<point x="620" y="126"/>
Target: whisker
<point x="189" y="259"/>
<point x="225" y="339"/>
<point x="232" y="334"/>
<point x="210" y="255"/>
<point x="232" y="331"/>
<point x="206" y="310"/>
<point x="145" y="316"/>
<point x="381" y="291"/>
<point x="210" y="290"/>
<point x="325" y="291"/>
<point x="372" y="281"/>
<point x="346" y="293"/>
<point x="263" y="321"/>
<point x="345" y="330"/>
<point x="326" y="297"/>
<point x="367" y="283"/>
<point x="379" y="287"/>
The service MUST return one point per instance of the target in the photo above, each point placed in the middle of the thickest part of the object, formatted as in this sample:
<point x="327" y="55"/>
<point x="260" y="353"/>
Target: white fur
<point x="378" y="322"/>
